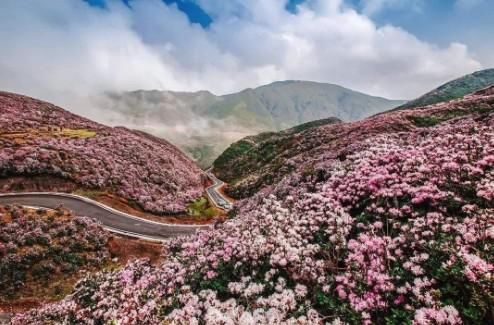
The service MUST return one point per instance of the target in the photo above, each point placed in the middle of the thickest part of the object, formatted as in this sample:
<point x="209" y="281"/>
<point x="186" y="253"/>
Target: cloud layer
<point x="67" y="51"/>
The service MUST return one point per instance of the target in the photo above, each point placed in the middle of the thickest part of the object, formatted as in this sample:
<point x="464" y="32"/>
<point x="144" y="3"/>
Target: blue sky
<point x="440" y="21"/>
<point x="391" y="48"/>
<point x="435" y="20"/>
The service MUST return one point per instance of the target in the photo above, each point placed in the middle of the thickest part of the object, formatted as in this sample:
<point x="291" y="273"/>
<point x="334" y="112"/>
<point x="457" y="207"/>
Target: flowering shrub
<point x="396" y="228"/>
<point x="302" y="151"/>
<point x="138" y="167"/>
<point x="35" y="246"/>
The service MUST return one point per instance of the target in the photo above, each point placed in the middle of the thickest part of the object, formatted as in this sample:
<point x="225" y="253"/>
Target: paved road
<point x="112" y="219"/>
<point x="215" y="195"/>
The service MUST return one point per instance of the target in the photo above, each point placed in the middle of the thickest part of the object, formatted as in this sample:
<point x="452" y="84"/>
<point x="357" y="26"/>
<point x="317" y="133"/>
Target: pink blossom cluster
<point x="35" y="245"/>
<point x="397" y="227"/>
<point x="138" y="167"/>
<point x="335" y="141"/>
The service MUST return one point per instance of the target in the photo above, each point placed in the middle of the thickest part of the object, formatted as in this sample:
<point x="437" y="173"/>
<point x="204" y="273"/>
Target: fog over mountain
<point x="68" y="52"/>
<point x="204" y="124"/>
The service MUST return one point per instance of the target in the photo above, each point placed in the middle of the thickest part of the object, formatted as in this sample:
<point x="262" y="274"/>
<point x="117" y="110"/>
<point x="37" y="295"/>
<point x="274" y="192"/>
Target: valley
<point x="367" y="214"/>
<point x="267" y="162"/>
<point x="203" y="124"/>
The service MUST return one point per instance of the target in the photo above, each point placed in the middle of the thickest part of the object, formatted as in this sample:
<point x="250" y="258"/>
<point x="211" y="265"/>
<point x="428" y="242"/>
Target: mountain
<point x="203" y="124"/>
<point x="255" y="152"/>
<point x="44" y="147"/>
<point x="254" y="163"/>
<point x="382" y="221"/>
<point x="454" y="89"/>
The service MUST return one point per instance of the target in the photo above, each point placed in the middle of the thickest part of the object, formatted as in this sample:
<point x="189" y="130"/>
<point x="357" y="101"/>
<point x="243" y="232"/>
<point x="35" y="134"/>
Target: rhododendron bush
<point x="248" y="174"/>
<point x="37" y="138"/>
<point x="395" y="228"/>
<point x="38" y="245"/>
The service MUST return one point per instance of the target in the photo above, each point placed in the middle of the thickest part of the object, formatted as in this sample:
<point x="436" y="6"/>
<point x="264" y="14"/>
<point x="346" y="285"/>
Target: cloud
<point x="67" y="51"/>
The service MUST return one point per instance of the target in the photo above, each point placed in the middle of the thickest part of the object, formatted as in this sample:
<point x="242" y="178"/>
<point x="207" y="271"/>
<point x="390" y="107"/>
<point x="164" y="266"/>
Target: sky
<point x="67" y="51"/>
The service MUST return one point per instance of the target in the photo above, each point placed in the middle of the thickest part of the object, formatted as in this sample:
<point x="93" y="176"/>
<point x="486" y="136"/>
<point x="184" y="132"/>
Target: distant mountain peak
<point x="225" y="119"/>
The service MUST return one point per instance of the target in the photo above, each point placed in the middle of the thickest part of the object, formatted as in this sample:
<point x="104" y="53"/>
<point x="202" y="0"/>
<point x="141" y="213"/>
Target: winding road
<point x="113" y="220"/>
<point x="218" y="199"/>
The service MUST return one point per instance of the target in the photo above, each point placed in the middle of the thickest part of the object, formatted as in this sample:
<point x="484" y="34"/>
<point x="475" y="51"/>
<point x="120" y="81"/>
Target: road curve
<point x="111" y="219"/>
<point x="219" y="200"/>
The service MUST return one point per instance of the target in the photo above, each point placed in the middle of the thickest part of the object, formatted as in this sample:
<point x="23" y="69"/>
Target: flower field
<point x="37" y="138"/>
<point x="393" y="227"/>
<point x="37" y="246"/>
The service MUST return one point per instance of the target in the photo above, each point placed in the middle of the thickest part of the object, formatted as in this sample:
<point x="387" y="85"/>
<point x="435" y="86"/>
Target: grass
<point x="49" y="132"/>
<point x="201" y="208"/>
<point x="76" y="133"/>
<point x="432" y="120"/>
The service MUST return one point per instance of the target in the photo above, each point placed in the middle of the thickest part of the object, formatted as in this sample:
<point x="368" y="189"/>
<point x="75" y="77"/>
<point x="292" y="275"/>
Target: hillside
<point x="38" y="139"/>
<point x="252" y="153"/>
<point x="247" y="171"/>
<point x="40" y="250"/>
<point x="454" y="89"/>
<point x="203" y="124"/>
<point x="385" y="221"/>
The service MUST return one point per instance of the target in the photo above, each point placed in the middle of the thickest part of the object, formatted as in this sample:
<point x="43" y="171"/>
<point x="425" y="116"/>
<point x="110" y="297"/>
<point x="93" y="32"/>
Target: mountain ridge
<point x="453" y="89"/>
<point x="204" y="124"/>
<point x="251" y="166"/>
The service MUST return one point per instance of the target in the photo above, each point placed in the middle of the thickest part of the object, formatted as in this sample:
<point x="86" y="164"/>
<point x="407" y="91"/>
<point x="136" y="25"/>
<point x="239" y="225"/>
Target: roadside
<point x="121" y="250"/>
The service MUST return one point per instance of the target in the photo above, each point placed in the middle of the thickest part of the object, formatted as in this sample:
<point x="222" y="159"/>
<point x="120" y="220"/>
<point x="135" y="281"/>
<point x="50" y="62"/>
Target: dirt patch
<point x="127" y="249"/>
<point x="223" y="192"/>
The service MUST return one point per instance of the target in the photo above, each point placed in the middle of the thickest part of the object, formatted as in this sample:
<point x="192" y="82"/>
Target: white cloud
<point x="66" y="51"/>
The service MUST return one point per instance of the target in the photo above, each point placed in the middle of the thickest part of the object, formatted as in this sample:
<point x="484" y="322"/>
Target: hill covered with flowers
<point x="332" y="141"/>
<point x="387" y="221"/>
<point x="267" y="148"/>
<point x="39" y="139"/>
<point x="37" y="247"/>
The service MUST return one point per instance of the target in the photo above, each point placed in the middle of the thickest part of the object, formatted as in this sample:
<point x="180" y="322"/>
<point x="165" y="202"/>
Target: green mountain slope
<point x="259" y="162"/>
<point x="454" y="89"/>
<point x="265" y="150"/>
<point x="203" y="124"/>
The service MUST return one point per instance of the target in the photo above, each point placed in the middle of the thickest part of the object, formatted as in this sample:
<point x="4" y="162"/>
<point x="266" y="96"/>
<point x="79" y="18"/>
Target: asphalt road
<point x="215" y="195"/>
<point x="113" y="220"/>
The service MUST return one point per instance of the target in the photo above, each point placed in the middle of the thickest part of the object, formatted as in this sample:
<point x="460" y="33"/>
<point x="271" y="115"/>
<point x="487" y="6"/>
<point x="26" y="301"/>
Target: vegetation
<point x="37" y="248"/>
<point x="228" y="118"/>
<point x="254" y="152"/>
<point x="454" y="89"/>
<point x="257" y="168"/>
<point x="133" y="165"/>
<point x="383" y="222"/>
<point x="202" y="209"/>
